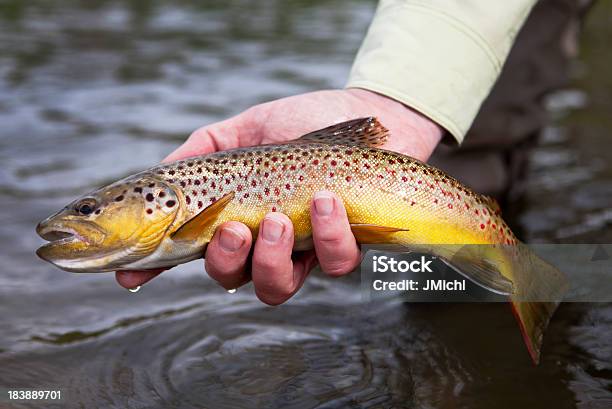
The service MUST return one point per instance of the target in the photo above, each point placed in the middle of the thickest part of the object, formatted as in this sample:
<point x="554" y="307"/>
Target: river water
<point x="91" y="91"/>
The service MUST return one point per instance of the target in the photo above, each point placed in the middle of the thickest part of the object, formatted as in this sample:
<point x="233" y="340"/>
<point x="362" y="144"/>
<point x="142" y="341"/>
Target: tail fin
<point x="539" y="288"/>
<point x="535" y="287"/>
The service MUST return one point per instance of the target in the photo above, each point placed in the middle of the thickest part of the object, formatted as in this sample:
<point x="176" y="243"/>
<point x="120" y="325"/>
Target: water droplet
<point x="134" y="290"/>
<point x="232" y="291"/>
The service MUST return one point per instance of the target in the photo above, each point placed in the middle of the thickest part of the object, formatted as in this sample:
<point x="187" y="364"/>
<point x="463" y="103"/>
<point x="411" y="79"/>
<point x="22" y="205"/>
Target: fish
<point x="166" y="215"/>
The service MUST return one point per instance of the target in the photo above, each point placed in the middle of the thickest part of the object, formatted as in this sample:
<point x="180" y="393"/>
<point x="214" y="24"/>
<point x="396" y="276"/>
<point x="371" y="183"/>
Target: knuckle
<point x="338" y="268"/>
<point x="265" y="263"/>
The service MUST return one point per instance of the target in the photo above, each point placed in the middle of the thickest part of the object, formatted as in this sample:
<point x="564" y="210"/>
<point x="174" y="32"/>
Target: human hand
<point x="277" y="273"/>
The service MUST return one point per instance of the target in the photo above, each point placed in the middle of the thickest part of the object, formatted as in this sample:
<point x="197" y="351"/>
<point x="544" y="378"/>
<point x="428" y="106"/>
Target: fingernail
<point x="272" y="230"/>
<point x="323" y="203"/>
<point x="230" y="240"/>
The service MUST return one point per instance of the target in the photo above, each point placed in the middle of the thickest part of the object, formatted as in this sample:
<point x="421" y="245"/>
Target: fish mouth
<point x="60" y="235"/>
<point x="67" y="240"/>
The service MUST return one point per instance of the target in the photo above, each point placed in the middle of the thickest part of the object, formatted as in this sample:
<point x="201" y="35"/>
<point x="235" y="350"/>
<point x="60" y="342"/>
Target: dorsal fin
<point x="362" y="131"/>
<point x="193" y="228"/>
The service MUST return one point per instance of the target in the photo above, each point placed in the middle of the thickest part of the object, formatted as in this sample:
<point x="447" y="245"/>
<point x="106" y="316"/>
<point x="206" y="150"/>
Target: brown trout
<point x="166" y="215"/>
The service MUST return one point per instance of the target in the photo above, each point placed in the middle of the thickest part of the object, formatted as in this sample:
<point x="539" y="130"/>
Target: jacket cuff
<point x="435" y="61"/>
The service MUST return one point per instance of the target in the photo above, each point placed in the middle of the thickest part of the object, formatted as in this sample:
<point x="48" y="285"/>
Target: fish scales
<point x="377" y="187"/>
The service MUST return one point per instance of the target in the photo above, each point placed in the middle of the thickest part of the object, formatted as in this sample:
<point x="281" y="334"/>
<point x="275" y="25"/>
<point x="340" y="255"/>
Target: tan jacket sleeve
<point x="440" y="57"/>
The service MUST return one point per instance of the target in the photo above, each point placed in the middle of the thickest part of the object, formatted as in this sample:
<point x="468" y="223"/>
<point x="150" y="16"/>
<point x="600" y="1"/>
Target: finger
<point x="133" y="279"/>
<point x="274" y="275"/>
<point x="335" y="245"/>
<point x="240" y="130"/>
<point x="227" y="253"/>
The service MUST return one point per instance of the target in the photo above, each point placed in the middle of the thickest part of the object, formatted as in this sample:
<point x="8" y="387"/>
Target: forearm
<point x="439" y="57"/>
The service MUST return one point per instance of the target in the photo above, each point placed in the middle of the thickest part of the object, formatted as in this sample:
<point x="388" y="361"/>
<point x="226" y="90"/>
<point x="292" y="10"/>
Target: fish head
<point x="110" y="227"/>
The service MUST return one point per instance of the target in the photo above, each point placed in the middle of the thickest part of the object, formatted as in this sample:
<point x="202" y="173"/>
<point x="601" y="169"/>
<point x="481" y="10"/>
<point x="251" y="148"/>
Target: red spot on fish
<point x="450" y="206"/>
<point x="477" y="212"/>
<point x="267" y="191"/>
<point x="331" y="174"/>
<point x="404" y="179"/>
<point x="239" y="188"/>
<point x="273" y="208"/>
<point x="149" y="211"/>
<point x="276" y="191"/>
<point x="315" y="162"/>
<point x="413" y="168"/>
<point x="287" y="186"/>
<point x="435" y="200"/>
<point x="333" y="163"/>
<point x="348" y="178"/>
<point x="253" y="183"/>
<point x="365" y="156"/>
<point x="292" y="167"/>
<point x="187" y="199"/>
<point x="482" y="226"/>
<point x="196" y="182"/>
<point x="301" y="178"/>
<point x="200" y="204"/>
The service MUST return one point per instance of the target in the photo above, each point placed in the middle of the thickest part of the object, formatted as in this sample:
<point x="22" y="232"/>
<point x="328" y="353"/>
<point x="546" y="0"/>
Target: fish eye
<point x="85" y="206"/>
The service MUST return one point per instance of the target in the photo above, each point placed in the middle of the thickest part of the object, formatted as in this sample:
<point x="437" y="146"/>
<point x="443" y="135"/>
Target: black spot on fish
<point x="119" y="198"/>
<point x="149" y="197"/>
<point x="138" y="189"/>
<point x="170" y="203"/>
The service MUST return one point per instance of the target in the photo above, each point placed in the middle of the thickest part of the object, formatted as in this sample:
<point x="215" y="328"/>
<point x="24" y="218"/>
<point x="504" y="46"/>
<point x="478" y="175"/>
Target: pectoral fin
<point x="372" y="233"/>
<point x="192" y="229"/>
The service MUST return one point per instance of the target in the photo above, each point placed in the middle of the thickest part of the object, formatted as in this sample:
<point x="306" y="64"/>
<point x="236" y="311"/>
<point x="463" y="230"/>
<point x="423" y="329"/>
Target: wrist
<point x="412" y="133"/>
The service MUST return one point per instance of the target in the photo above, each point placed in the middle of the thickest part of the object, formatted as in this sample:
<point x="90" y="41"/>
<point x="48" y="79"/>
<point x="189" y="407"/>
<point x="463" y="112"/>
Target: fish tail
<point x="535" y="287"/>
<point x="539" y="287"/>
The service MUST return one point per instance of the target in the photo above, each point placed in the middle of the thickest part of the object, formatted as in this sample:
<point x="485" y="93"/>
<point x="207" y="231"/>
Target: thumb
<point x="240" y="130"/>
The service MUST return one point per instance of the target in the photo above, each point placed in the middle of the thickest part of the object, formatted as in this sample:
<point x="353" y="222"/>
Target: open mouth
<point x="57" y="235"/>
